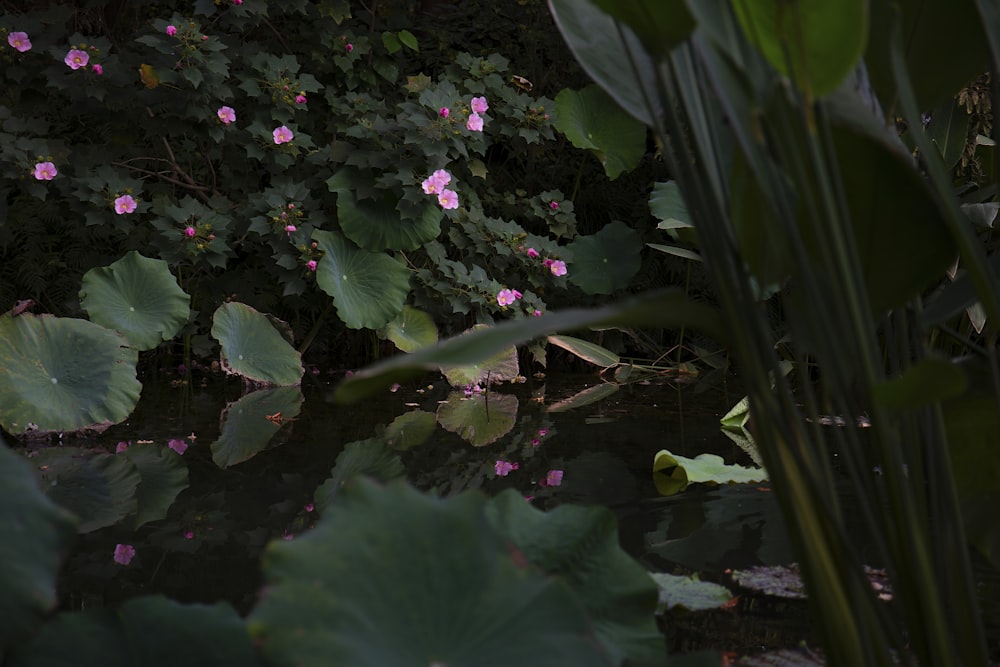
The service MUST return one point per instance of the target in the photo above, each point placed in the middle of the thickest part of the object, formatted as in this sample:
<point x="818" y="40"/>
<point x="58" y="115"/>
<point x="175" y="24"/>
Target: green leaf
<point x="390" y="42"/>
<point x="683" y="253"/>
<point x="163" y="476"/>
<point x="253" y="348"/>
<point x="665" y="308"/>
<point x="411" y="330"/>
<point x="580" y="545"/>
<point x="410" y="429"/>
<point x="660" y="24"/>
<point x="62" y="374"/>
<point x="137" y="297"/>
<point x="689" y="593"/>
<point x="924" y="383"/>
<point x="407" y="38"/>
<point x="480" y="419"/>
<point x="372" y="457"/>
<point x="148" y="631"/>
<point x="37" y="534"/>
<point x="605" y="261"/>
<point x="591" y="120"/>
<point x="96" y="487"/>
<point x="949" y="129"/>
<point x="500" y="367"/>
<point x="738" y="415"/>
<point x="592" y="352"/>
<point x="246" y="427"/>
<point x="672" y="473"/>
<point x="429" y="573"/>
<point x="368" y="288"/>
<point x="666" y="203"/>
<point x="815" y="43"/>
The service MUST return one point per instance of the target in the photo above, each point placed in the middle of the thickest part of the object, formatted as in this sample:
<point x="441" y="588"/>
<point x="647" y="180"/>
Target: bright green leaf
<point x="689" y="593"/>
<point x="672" y="473"/>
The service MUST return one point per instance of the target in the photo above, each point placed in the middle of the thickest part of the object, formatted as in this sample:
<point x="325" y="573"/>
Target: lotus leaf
<point x="410" y="429"/>
<point x="672" y="472"/>
<point x="689" y="593"/>
<point x="391" y="577"/>
<point x="63" y="374"/>
<point x="249" y="424"/>
<point x="411" y="330"/>
<point x="590" y="119"/>
<point x="36" y="533"/>
<point x="500" y="367"/>
<point x="605" y="261"/>
<point x="253" y="348"/>
<point x="481" y="418"/>
<point x="371" y="457"/>
<point x="137" y="297"/>
<point x="368" y="288"/>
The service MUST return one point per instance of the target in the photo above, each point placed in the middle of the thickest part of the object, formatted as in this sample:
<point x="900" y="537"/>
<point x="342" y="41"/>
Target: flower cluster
<point x="475" y="121"/>
<point x="436" y="183"/>
<point x="503" y="468"/>
<point x="506" y="297"/>
<point x="556" y="266"/>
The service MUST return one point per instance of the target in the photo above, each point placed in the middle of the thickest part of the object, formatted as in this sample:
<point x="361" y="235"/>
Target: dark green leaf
<point x="253" y="348"/>
<point x="605" y="261"/>
<point x="591" y="120"/>
<point x="246" y="427"/>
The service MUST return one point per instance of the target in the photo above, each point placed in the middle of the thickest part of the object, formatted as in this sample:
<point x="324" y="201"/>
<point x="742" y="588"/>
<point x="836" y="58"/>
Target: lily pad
<point x="149" y="631"/>
<point x="163" y="476"/>
<point x="500" y="367"/>
<point x="37" y="533"/>
<point x="410" y="429"/>
<point x="411" y="330"/>
<point x="249" y="424"/>
<point x="672" y="472"/>
<point x="593" y="121"/>
<point x="689" y="593"/>
<point x="605" y="261"/>
<point x="63" y="374"/>
<point x="372" y="458"/>
<point x="137" y="297"/>
<point x="479" y="419"/>
<point x="253" y="348"/>
<point x="391" y="577"/>
<point x="368" y="288"/>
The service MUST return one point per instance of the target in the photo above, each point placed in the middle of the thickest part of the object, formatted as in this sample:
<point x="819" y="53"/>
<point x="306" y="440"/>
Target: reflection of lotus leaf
<point x="479" y="419"/>
<point x="163" y="474"/>
<point x="371" y="457"/>
<point x="391" y="577"/>
<point x="253" y="348"/>
<point x="246" y="429"/>
<point x="36" y="532"/>
<point x="410" y="429"/>
<point x="689" y="592"/>
<point x="138" y="297"/>
<point x="500" y="367"/>
<point x="63" y="374"/>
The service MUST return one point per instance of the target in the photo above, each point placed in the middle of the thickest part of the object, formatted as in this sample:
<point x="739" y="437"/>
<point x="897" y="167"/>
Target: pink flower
<point x="19" y="41"/>
<point x="505" y="297"/>
<point x="532" y="253"/>
<point x="300" y="99"/>
<point x="124" y="553"/>
<point x="311" y="264"/>
<point x="475" y="123"/>
<point x="189" y="232"/>
<point x="448" y="199"/>
<point x="76" y="59"/>
<point x="537" y="313"/>
<point x="535" y="442"/>
<point x="479" y="105"/>
<point x="290" y="228"/>
<point x="542" y="432"/>
<point x="125" y="204"/>
<point x="554" y="205"/>
<point x="122" y="446"/>
<point x="177" y="445"/>
<point x="237" y="2"/>
<point x="171" y="30"/>
<point x="517" y="295"/>
<point x="547" y="262"/>
<point x="558" y="268"/>
<point x="226" y="114"/>
<point x="45" y="171"/>
<point x="98" y="69"/>
<point x="189" y="535"/>
<point x="444" y="112"/>
<point x="349" y="47"/>
<point x="435" y="183"/>
<point x="282" y="135"/>
<point x="503" y="468"/>
<point x="554" y="478"/>
<point x="310" y="507"/>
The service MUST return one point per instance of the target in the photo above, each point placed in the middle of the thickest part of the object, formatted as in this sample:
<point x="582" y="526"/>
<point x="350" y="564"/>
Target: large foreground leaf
<point x="249" y="424"/>
<point x="253" y="348"/>
<point x="368" y="288"/>
<point x="391" y="577"/>
<point x="667" y="308"/>
<point x="150" y="631"/>
<point x="62" y="374"/>
<point x="137" y="297"/>
<point x="36" y="533"/>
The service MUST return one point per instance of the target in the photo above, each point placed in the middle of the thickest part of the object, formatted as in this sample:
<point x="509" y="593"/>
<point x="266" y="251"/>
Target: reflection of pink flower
<point x="177" y="445"/>
<point x="475" y="123"/>
<point x="503" y="468"/>
<point x="282" y="135"/>
<point x="226" y="114"/>
<point x="505" y="297"/>
<point x="19" y="41"/>
<point x="554" y="478"/>
<point x="125" y="204"/>
<point x="45" y="171"/>
<point x="558" y="268"/>
<point x="76" y="59"/>
<point x="479" y="105"/>
<point x="171" y="30"/>
<point x="124" y="553"/>
<point x="448" y="199"/>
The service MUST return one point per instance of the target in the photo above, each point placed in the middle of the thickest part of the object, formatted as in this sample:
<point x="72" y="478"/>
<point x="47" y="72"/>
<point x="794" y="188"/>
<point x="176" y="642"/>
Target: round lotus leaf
<point x="480" y="419"/>
<point x="592" y="120"/>
<point x="253" y="348"/>
<point x="410" y="429"/>
<point x="391" y="577"/>
<point x="605" y="261"/>
<point x="63" y="374"/>
<point x="137" y="297"/>
<point x="411" y="330"/>
<point x="500" y="367"/>
<point x="249" y="424"/>
<point x="368" y="288"/>
<point x="36" y="533"/>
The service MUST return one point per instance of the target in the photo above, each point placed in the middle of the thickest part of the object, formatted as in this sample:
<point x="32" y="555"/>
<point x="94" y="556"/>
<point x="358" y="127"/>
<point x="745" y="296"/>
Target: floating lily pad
<point x="411" y="330"/>
<point x="410" y="429"/>
<point x="36" y="534"/>
<point x="368" y="288"/>
<point x="253" y="348"/>
<point x="246" y="427"/>
<point x="689" y="593"/>
<point x="137" y="297"/>
<point x="97" y="487"/>
<point x="479" y="419"/>
<point x="63" y="374"/>
<point x="605" y="261"/>
<point x="672" y="472"/>
<point x="371" y="457"/>
<point x="391" y="577"/>
<point x="163" y="476"/>
<point x="149" y="631"/>
<point x="500" y="367"/>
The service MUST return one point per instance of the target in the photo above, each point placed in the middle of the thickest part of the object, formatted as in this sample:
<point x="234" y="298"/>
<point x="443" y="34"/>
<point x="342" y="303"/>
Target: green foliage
<point x="253" y="348"/>
<point x="591" y="120"/>
<point x="251" y="422"/>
